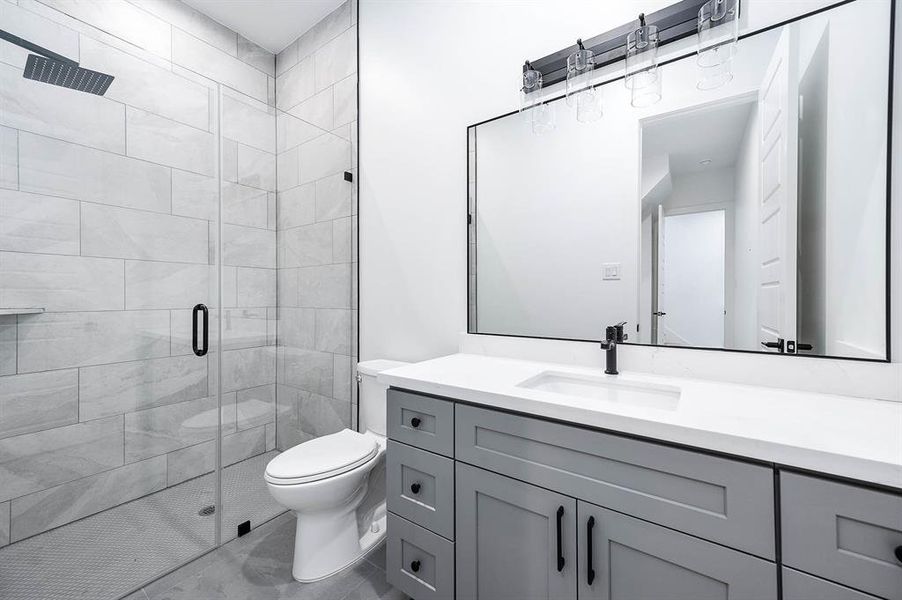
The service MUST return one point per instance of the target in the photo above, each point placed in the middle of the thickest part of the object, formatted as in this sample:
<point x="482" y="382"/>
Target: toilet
<point x="323" y="482"/>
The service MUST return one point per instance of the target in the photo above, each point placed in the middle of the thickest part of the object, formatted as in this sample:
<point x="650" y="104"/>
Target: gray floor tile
<point x="375" y="587"/>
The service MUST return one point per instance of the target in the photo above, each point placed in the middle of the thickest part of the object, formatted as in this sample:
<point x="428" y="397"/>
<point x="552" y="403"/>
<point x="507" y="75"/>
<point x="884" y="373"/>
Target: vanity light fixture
<point x="642" y="75"/>
<point x="580" y="65"/>
<point x="589" y="105"/>
<point x="718" y="36"/>
<point x="538" y="113"/>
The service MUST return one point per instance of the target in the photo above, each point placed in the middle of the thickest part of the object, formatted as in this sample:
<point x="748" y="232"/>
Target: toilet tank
<point x="372" y="394"/>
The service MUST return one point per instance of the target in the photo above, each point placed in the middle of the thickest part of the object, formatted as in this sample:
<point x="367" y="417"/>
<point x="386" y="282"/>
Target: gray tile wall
<point x="108" y="209"/>
<point x="316" y="100"/>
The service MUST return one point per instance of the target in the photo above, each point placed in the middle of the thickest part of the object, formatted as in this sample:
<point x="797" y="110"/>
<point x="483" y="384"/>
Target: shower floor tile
<point x="113" y="552"/>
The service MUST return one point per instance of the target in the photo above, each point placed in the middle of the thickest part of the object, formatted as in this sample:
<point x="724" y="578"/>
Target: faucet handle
<point x="621" y="336"/>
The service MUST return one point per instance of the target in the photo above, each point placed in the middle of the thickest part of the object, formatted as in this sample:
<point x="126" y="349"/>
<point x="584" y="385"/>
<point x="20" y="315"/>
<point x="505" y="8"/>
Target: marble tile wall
<point x="108" y="221"/>
<point x="316" y="101"/>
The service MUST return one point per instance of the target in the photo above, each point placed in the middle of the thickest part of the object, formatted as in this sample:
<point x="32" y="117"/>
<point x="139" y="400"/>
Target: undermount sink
<point x="607" y="389"/>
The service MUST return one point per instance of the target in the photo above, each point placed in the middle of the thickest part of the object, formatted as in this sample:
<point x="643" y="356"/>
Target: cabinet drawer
<point x="722" y="500"/>
<point x="418" y="562"/>
<point x="420" y="487"/>
<point x="801" y="586"/>
<point x="843" y="533"/>
<point x="623" y="558"/>
<point x="421" y="421"/>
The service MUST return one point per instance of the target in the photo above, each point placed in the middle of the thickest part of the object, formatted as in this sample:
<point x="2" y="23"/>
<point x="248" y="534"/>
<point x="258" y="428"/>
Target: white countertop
<point x="849" y="437"/>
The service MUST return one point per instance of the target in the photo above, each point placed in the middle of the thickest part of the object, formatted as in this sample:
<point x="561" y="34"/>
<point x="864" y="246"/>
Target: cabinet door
<point x="514" y="541"/>
<point x="634" y="559"/>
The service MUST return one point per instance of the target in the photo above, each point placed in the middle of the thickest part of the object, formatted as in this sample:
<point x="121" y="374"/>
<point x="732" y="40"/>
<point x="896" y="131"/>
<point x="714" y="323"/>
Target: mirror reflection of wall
<point x="747" y="217"/>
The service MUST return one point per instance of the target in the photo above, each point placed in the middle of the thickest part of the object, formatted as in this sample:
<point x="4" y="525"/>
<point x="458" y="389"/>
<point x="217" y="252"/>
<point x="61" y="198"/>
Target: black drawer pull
<point x="415" y="488"/>
<point x="590" y="562"/>
<point x="560" y="545"/>
<point x="898" y="553"/>
<point x="415" y="422"/>
<point x="415" y="566"/>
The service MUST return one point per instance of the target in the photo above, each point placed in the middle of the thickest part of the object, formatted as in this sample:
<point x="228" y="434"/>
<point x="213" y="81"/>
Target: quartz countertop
<point x="849" y="437"/>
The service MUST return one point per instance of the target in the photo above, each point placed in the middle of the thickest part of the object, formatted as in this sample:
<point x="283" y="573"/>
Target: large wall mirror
<point x="748" y="217"/>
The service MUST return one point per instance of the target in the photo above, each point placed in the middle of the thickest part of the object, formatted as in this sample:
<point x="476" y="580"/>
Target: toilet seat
<point x="322" y="458"/>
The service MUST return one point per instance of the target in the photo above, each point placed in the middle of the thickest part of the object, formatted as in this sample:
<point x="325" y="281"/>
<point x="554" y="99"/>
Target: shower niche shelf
<point x="20" y="311"/>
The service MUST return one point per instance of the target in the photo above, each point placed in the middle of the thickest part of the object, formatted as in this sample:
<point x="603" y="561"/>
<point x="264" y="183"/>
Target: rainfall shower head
<point x="65" y="74"/>
<point x="49" y="67"/>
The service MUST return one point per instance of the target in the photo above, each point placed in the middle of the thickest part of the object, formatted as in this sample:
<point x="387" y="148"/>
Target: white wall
<point x="455" y="65"/>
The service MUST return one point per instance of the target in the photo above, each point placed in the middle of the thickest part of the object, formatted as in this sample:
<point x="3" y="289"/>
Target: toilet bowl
<point x="323" y="482"/>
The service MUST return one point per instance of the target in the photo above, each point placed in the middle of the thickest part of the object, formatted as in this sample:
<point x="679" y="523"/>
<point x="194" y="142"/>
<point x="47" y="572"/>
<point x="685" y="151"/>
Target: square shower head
<point x="64" y="74"/>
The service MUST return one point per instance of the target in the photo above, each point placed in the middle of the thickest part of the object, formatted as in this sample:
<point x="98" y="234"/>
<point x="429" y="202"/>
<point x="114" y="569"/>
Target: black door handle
<point x="560" y="546"/>
<point x="198" y="350"/>
<point x="590" y="562"/>
<point x="415" y="566"/>
<point x="778" y="345"/>
<point x="415" y="422"/>
<point x="415" y="488"/>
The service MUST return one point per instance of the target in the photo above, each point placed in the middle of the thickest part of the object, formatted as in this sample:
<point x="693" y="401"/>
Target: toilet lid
<point x="324" y="457"/>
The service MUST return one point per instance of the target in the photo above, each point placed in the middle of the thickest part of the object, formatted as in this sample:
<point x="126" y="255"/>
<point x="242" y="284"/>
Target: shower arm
<point x="14" y="39"/>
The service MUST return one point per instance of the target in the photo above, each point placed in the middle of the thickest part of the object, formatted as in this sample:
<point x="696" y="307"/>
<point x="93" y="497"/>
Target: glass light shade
<point x="543" y="118"/>
<point x="580" y="65"/>
<point x="589" y="105"/>
<point x="641" y="56"/>
<point x="648" y="94"/>
<point x="718" y="35"/>
<point x="530" y="89"/>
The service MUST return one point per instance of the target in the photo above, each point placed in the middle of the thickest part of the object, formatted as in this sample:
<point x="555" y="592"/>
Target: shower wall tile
<point x="61" y="283"/>
<point x="243" y="328"/>
<point x="242" y="205"/>
<point x="248" y="121"/>
<point x="297" y="206"/>
<point x="337" y="59"/>
<point x="256" y="287"/>
<point x="75" y="339"/>
<point x="297" y="328"/>
<point x="200" y="459"/>
<point x="256" y="168"/>
<point x="122" y="233"/>
<point x="229" y="287"/>
<point x="331" y="26"/>
<point x="306" y="369"/>
<point x="270" y="431"/>
<point x="37" y="461"/>
<point x="36" y="223"/>
<point x="163" y="429"/>
<point x="288" y="429"/>
<point x="306" y="246"/>
<point x="193" y="21"/>
<point x="195" y="195"/>
<point x="288" y="168"/>
<point x="4" y="523"/>
<point x="333" y="330"/>
<point x="68" y="502"/>
<point x="121" y="388"/>
<point x="256" y="406"/>
<point x="248" y="247"/>
<point x="166" y="285"/>
<point x="345" y="97"/>
<point x="27" y="25"/>
<point x="38" y="401"/>
<point x="322" y="414"/>
<point x="341" y="240"/>
<point x="211" y="62"/>
<point x="122" y="20"/>
<point x="325" y="155"/>
<point x="229" y="160"/>
<point x="88" y="119"/>
<point x="287" y="288"/>
<point x="147" y="86"/>
<point x="257" y="57"/>
<point x="316" y="110"/>
<point x="247" y="368"/>
<point x="56" y="168"/>
<point x="8" y="334"/>
<point x="296" y="85"/>
<point x="167" y="142"/>
<point x="287" y="58"/>
<point x="292" y="131"/>
<point x="327" y="286"/>
<point x="9" y="158"/>
<point x="342" y="377"/>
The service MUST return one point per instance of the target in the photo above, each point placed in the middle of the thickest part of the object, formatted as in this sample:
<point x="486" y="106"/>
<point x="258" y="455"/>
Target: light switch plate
<point x="611" y="271"/>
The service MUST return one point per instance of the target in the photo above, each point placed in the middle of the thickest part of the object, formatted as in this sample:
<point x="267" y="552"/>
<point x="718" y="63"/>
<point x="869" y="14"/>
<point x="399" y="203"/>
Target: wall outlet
<point x="611" y="271"/>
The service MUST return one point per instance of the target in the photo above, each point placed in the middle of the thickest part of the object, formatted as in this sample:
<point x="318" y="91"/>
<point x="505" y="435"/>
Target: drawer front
<point x="421" y="421"/>
<point x="418" y="562"/>
<point x="420" y="487"/>
<point x="843" y="533"/>
<point x="718" y="499"/>
<point x="801" y="586"/>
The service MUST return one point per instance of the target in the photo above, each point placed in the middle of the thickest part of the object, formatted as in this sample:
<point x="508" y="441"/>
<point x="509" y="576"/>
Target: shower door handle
<point x="198" y="350"/>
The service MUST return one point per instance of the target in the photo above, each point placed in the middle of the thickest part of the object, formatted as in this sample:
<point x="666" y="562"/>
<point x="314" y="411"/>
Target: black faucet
<point x="613" y="335"/>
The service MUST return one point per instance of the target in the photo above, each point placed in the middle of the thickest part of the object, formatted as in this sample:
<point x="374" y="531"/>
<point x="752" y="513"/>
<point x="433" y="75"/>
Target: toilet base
<point x="325" y="545"/>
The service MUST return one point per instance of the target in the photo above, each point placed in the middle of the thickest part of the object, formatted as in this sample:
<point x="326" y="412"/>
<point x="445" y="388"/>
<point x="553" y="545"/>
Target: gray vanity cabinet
<point x="514" y="540"/>
<point x="623" y="558"/>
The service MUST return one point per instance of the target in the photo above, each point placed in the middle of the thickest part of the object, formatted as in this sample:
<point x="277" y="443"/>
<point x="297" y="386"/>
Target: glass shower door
<point x="109" y="249"/>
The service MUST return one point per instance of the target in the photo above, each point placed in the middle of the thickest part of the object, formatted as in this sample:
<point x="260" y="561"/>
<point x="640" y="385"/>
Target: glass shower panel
<point x="109" y="406"/>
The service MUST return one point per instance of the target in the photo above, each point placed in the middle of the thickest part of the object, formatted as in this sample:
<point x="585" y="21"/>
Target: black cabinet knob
<point x="415" y="422"/>
<point x="415" y="566"/>
<point x="415" y="488"/>
<point x="898" y="553"/>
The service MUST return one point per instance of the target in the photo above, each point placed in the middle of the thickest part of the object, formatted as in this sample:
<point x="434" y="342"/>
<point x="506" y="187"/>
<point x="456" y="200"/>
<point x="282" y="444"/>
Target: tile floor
<point x="258" y="567"/>
<point x="111" y="553"/>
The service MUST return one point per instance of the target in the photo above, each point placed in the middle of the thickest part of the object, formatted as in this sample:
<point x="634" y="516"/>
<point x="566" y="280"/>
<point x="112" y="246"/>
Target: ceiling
<point x="273" y="24"/>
